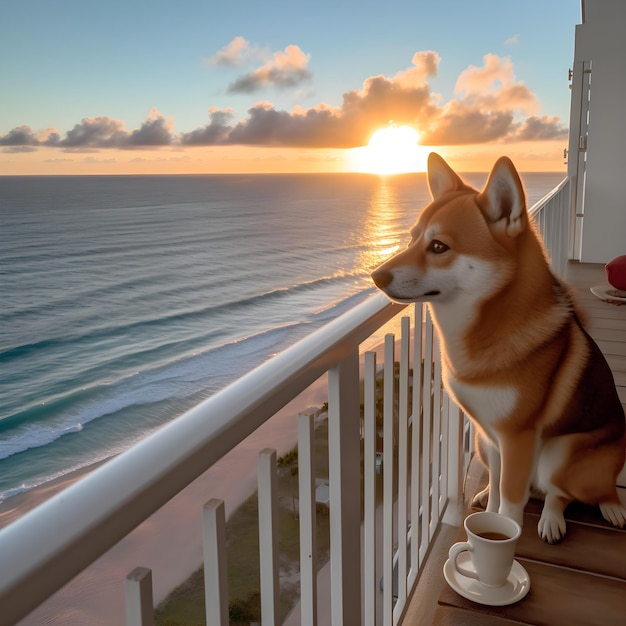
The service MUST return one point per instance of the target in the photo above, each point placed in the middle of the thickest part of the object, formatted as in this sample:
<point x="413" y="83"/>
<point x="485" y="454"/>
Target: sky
<point x="204" y="86"/>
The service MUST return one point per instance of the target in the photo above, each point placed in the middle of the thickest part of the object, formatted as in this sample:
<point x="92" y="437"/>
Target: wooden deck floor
<point x="582" y="580"/>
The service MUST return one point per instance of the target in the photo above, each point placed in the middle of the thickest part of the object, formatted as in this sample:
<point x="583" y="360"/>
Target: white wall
<point x="602" y="40"/>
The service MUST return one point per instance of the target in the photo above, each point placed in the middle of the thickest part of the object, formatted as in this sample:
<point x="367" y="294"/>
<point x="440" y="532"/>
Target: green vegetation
<point x="185" y="605"/>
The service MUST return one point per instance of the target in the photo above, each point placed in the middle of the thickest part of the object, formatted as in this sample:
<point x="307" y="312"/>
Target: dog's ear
<point x="503" y="201"/>
<point x="441" y="177"/>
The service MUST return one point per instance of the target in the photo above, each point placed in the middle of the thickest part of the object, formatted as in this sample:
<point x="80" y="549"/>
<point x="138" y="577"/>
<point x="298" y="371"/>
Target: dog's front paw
<point x="551" y="526"/>
<point x="614" y="513"/>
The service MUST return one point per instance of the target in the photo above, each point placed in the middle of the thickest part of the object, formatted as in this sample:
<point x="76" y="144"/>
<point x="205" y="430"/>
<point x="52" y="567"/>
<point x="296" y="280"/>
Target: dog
<point x="515" y="355"/>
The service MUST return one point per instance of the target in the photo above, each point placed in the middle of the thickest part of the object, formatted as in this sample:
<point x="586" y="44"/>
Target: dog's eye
<point x="437" y="247"/>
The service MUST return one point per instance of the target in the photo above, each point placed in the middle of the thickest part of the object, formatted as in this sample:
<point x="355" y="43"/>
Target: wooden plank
<point x="593" y="548"/>
<point x="451" y="616"/>
<point x="557" y="596"/>
<point x="591" y="543"/>
<point x="594" y="323"/>
<point x="616" y="362"/>
<point x="603" y="310"/>
<point x="585" y="273"/>
<point x="609" y="334"/>
<point x="612" y="348"/>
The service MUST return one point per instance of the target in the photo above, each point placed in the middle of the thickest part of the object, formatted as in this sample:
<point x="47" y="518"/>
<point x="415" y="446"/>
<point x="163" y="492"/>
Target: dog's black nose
<point x="382" y="277"/>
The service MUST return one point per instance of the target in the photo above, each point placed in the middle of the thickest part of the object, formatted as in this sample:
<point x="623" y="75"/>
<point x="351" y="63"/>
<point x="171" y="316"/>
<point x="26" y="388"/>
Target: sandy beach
<point x="96" y="596"/>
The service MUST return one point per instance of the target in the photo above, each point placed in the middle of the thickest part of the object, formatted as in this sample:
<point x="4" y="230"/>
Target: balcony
<point x="579" y="581"/>
<point x="387" y="541"/>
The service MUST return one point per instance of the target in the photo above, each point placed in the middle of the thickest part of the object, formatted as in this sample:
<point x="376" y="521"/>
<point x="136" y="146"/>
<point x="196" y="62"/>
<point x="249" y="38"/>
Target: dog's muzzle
<point x="382" y="277"/>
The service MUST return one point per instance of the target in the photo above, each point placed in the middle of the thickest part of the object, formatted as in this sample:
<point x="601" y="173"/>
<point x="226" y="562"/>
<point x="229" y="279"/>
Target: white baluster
<point x="138" y="592"/>
<point x="215" y="570"/>
<point x="307" y="516"/>
<point x="344" y="467"/>
<point x="268" y="538"/>
<point x="369" y="469"/>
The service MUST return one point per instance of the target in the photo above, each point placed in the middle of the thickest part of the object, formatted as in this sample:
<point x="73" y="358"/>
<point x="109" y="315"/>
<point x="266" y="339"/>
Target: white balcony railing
<point x="375" y="559"/>
<point x="555" y="220"/>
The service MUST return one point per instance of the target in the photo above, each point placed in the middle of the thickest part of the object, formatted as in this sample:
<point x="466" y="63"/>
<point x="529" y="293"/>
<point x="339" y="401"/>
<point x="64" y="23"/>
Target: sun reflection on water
<point x="382" y="228"/>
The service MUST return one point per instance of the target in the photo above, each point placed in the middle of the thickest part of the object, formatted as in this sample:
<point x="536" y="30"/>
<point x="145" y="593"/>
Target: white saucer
<point x="608" y="293"/>
<point x="514" y="589"/>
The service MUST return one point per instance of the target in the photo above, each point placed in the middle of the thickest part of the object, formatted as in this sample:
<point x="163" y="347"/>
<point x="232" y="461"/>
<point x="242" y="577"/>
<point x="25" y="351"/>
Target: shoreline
<point x="96" y="595"/>
<point x="14" y="507"/>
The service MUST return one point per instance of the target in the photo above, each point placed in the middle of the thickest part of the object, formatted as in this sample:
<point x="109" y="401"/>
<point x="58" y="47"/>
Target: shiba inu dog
<point x="515" y="354"/>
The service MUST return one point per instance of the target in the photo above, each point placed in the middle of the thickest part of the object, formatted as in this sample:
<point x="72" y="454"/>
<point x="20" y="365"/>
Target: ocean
<point x="126" y="300"/>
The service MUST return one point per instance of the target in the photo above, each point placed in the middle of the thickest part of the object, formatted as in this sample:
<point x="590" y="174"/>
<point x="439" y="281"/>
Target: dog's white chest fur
<point x="487" y="405"/>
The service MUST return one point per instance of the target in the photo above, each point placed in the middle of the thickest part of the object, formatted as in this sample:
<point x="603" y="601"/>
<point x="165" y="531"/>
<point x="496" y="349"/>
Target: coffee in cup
<point x="491" y="540"/>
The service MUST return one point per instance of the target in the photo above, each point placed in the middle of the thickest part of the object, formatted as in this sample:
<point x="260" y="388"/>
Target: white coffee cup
<point x="491" y="540"/>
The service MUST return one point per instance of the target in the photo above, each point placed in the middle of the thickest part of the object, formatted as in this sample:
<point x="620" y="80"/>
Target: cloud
<point x="94" y="161"/>
<point x="317" y="127"/>
<point x="494" y="86"/>
<point x="19" y="137"/>
<point x="458" y="124"/>
<point x="425" y="64"/>
<point x="96" y="133"/>
<point x="214" y="134"/>
<point x="489" y="105"/>
<point x="542" y="128"/>
<point x="404" y="98"/>
<point x="155" y="131"/>
<point x="171" y="159"/>
<point x="513" y="40"/>
<point x="236" y="52"/>
<point x="106" y="132"/>
<point x="24" y="136"/>
<point x="19" y="149"/>
<point x="284" y="69"/>
<point x="489" y="100"/>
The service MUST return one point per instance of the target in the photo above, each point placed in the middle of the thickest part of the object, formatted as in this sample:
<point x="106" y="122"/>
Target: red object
<point x="616" y="272"/>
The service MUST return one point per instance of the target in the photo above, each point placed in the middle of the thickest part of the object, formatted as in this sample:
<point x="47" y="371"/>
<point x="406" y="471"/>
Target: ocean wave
<point x="192" y="315"/>
<point x="38" y="481"/>
<point x="51" y="420"/>
<point x="175" y="383"/>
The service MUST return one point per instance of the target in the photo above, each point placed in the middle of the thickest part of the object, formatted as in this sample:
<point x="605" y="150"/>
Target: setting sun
<point x="391" y="150"/>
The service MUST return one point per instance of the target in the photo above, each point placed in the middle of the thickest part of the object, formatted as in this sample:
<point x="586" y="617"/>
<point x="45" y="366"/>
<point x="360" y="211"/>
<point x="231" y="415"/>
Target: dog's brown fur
<point x="515" y="354"/>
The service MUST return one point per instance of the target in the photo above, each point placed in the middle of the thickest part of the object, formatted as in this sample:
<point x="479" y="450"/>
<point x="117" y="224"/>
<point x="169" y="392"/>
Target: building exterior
<point x="596" y="160"/>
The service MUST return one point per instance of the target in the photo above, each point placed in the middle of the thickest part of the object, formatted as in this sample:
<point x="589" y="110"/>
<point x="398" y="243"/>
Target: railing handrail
<point x="93" y="514"/>
<point x="542" y="202"/>
<point x="552" y="215"/>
